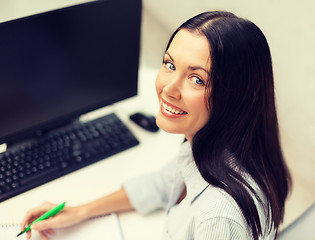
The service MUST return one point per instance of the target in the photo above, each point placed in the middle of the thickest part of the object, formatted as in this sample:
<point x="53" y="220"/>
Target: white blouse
<point x="207" y="212"/>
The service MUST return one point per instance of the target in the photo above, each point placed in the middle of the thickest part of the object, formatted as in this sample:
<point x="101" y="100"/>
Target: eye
<point x="197" y="81"/>
<point x="170" y="66"/>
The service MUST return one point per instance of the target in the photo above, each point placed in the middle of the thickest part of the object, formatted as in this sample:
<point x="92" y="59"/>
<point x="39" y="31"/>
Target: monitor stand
<point x="31" y="137"/>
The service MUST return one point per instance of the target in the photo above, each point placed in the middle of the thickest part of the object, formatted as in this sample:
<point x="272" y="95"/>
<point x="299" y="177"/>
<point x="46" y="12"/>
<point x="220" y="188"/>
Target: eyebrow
<point x="192" y="68"/>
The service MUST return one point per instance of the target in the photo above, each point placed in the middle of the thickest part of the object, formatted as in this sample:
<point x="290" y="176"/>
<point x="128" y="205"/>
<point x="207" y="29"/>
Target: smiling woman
<point x="229" y="180"/>
<point x="231" y="122"/>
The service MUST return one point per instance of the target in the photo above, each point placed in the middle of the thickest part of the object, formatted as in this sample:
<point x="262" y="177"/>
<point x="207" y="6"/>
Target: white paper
<point x="100" y="228"/>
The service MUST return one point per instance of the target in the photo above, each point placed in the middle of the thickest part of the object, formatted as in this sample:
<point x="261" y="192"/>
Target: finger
<point x="35" y="212"/>
<point x="43" y="235"/>
<point x="25" y="224"/>
<point x="28" y="235"/>
<point x="50" y="231"/>
<point x="45" y="224"/>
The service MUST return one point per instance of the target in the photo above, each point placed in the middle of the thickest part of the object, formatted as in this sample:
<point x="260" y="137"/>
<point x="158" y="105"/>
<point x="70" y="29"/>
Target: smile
<point x="173" y="110"/>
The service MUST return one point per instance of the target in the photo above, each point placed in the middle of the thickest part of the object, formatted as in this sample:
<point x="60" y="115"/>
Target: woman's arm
<point x="115" y="202"/>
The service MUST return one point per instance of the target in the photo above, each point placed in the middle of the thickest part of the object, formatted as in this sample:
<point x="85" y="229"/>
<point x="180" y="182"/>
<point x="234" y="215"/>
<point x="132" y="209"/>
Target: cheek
<point x="195" y="99"/>
<point x="198" y="107"/>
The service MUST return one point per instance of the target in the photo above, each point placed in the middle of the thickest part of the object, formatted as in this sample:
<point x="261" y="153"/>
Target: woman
<point x="230" y="180"/>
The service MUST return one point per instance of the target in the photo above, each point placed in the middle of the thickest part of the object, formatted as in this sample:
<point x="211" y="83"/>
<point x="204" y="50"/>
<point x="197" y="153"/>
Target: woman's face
<point x="180" y="85"/>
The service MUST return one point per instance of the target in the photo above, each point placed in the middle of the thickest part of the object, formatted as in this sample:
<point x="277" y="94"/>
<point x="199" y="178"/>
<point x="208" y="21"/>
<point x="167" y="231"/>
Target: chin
<point x="166" y="126"/>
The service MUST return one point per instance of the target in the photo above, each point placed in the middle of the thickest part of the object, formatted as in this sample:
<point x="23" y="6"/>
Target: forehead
<point x="190" y="47"/>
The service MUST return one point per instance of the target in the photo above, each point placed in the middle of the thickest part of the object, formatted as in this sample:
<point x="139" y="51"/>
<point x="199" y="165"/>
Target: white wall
<point x="290" y="29"/>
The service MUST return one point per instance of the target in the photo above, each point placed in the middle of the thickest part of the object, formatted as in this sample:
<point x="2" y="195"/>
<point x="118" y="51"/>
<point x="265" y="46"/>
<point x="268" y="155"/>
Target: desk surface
<point x="103" y="177"/>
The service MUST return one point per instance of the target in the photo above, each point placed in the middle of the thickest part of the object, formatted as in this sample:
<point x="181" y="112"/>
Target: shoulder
<point x="215" y="211"/>
<point x="215" y="203"/>
<point x="217" y="215"/>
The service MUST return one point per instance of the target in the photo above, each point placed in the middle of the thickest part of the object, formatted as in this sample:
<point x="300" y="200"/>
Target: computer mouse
<point x="147" y="122"/>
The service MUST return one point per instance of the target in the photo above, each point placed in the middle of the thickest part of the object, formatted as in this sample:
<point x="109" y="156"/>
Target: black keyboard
<point x="61" y="152"/>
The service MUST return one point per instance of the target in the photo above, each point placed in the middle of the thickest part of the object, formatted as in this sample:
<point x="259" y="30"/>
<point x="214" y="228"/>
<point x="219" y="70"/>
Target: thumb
<point x="43" y="225"/>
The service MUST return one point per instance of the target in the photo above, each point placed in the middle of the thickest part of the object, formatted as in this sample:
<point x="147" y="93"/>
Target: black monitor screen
<point x="58" y="65"/>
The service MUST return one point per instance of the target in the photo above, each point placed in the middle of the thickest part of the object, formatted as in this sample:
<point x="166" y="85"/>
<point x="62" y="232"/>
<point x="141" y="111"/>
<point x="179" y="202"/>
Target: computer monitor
<point x="58" y="65"/>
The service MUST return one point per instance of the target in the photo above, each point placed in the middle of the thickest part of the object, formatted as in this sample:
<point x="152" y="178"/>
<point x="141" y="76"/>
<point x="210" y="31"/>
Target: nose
<point x="173" y="88"/>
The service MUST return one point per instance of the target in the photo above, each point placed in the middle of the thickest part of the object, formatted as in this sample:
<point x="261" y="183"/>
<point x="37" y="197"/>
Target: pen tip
<point x="19" y="234"/>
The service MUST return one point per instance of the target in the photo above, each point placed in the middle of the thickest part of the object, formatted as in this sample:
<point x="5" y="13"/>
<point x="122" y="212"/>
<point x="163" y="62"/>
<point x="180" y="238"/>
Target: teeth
<point x="170" y="109"/>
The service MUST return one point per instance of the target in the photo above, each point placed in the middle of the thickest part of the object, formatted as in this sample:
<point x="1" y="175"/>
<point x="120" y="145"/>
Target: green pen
<point x="46" y="215"/>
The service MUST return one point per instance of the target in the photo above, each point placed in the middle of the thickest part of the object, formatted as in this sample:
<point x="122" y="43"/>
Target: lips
<point x="171" y="110"/>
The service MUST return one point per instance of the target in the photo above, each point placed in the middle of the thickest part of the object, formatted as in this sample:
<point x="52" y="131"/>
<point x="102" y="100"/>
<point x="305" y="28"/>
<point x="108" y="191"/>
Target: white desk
<point x="103" y="177"/>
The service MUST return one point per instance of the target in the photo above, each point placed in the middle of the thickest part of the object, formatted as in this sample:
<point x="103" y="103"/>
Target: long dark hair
<point x="243" y="119"/>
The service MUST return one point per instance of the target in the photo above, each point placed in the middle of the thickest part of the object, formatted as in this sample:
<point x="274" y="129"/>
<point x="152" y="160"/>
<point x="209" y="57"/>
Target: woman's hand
<point x="115" y="202"/>
<point x="69" y="216"/>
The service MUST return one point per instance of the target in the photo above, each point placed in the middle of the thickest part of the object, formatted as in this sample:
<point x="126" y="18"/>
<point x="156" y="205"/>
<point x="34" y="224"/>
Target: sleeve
<point x="221" y="228"/>
<point x="151" y="191"/>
